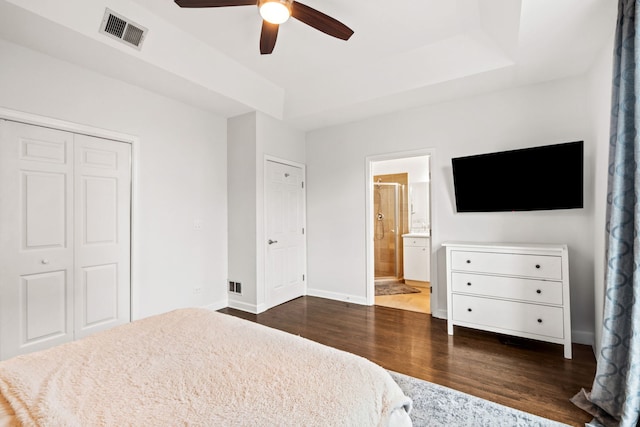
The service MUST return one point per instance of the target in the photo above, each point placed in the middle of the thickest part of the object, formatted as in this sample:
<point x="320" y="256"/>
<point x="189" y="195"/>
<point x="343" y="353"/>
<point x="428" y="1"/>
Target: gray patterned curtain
<point x="615" y="396"/>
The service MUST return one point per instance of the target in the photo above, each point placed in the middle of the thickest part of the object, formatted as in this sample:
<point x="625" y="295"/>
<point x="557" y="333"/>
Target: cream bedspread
<point x="201" y="368"/>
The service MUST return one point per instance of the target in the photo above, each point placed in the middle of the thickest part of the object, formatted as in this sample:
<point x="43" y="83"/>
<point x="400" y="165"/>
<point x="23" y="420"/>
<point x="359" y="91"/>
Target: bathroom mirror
<point x="419" y="206"/>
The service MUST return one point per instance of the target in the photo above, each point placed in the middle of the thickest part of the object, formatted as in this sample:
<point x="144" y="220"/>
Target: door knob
<point x="271" y="242"/>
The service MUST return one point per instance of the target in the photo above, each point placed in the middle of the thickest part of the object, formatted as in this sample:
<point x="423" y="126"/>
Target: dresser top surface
<point x="505" y="246"/>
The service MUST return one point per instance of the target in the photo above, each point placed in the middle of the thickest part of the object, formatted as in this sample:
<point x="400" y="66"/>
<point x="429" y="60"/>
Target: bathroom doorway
<point x="399" y="238"/>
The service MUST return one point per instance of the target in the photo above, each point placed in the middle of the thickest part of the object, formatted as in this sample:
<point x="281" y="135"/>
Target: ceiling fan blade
<point x="320" y="21"/>
<point x="268" y="37"/>
<point x="215" y="3"/>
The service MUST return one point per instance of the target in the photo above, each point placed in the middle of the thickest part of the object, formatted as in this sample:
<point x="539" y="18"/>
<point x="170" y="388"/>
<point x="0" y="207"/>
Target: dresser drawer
<point x="537" y="266"/>
<point x="416" y="241"/>
<point x="529" y="290"/>
<point x="508" y="315"/>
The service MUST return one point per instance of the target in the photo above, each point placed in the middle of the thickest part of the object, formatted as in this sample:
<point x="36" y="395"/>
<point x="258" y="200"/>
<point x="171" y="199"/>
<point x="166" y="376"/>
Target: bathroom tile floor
<point x="419" y="302"/>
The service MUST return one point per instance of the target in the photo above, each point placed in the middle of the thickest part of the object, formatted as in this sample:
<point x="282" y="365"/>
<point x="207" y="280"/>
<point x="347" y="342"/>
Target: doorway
<point x="285" y="247"/>
<point x="398" y="242"/>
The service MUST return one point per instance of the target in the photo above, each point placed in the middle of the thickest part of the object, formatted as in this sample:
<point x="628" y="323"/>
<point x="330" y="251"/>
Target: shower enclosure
<point x="389" y="210"/>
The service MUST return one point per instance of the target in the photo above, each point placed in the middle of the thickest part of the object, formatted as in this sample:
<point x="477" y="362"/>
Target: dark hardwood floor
<point x="527" y="375"/>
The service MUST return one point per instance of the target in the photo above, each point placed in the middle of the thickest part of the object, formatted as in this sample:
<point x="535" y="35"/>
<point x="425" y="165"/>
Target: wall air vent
<point x="121" y="28"/>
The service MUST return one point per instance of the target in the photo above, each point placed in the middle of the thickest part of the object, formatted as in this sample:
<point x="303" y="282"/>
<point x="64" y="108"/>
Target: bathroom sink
<point x="417" y="234"/>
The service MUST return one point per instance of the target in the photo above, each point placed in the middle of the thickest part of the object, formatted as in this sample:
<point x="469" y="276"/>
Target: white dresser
<point x="512" y="289"/>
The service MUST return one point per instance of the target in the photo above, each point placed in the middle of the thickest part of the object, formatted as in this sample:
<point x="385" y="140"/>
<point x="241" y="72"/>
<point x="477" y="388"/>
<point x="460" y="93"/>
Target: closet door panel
<point x="36" y="229"/>
<point x="100" y="292"/>
<point x="44" y="306"/>
<point x="43" y="210"/>
<point x="102" y="240"/>
<point x="100" y="210"/>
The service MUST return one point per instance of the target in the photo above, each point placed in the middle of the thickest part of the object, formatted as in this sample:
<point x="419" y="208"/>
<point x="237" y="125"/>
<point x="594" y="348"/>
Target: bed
<point x="202" y="368"/>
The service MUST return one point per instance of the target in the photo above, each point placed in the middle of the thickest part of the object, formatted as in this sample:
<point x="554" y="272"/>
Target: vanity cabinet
<point x="417" y="254"/>
<point x="513" y="289"/>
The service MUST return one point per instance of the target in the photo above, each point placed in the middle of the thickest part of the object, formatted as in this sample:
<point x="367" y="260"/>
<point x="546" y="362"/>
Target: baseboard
<point x="243" y="306"/>
<point x="440" y="314"/>
<point x="337" y="296"/>
<point x="217" y="305"/>
<point x="583" y="337"/>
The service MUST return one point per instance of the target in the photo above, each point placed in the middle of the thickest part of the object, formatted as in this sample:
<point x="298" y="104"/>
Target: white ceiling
<point x="419" y="52"/>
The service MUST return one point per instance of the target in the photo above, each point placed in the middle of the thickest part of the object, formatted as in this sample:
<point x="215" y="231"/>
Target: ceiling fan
<point x="276" y="12"/>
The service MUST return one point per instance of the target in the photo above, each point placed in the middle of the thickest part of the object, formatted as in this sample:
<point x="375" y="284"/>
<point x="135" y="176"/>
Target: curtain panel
<point x="614" y="399"/>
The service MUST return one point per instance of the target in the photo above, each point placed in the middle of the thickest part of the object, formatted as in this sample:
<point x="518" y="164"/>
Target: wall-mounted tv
<point x="538" y="178"/>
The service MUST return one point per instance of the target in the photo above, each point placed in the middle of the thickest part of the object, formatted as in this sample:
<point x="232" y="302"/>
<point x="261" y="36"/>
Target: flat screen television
<point x="539" y="178"/>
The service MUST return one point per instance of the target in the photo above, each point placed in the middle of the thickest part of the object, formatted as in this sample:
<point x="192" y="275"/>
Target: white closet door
<point x="102" y="237"/>
<point x="36" y="238"/>
<point x="64" y="236"/>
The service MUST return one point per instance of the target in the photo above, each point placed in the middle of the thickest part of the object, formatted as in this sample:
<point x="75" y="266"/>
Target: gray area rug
<point x="394" y="288"/>
<point x="435" y="406"/>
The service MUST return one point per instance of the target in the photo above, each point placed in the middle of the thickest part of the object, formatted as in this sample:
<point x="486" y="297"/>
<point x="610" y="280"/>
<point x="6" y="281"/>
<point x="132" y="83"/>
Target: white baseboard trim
<point x="337" y="296"/>
<point x="243" y="306"/>
<point x="249" y="308"/>
<point x="583" y="337"/>
<point x="440" y="314"/>
<point x="217" y="305"/>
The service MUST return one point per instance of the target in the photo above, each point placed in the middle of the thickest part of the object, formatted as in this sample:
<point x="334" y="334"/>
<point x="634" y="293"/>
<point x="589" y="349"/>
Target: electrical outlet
<point x="197" y="224"/>
<point x="197" y="290"/>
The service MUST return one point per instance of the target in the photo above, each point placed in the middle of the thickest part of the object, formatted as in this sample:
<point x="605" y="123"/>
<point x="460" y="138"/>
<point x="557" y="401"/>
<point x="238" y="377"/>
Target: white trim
<point x="439" y="314"/>
<point x="217" y="305"/>
<point x="43" y="121"/>
<point x="370" y="273"/>
<point x="337" y="296"/>
<point x="583" y="337"/>
<point x="303" y="167"/>
<point x="34" y="119"/>
<point x="268" y="157"/>
<point x="247" y="307"/>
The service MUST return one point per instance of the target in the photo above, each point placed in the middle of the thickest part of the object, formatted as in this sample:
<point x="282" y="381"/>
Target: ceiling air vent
<point x="121" y="28"/>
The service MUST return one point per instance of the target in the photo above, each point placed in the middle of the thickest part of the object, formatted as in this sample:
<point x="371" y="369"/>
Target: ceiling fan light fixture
<point x="275" y="11"/>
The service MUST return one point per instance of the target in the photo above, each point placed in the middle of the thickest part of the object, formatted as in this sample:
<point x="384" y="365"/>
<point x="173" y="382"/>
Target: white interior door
<point x="64" y="236"/>
<point x="102" y="237"/>
<point x="285" y="245"/>
<point x="36" y="238"/>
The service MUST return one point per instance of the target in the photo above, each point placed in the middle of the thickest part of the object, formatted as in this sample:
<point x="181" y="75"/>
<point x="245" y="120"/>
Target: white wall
<point x="252" y="137"/>
<point x="417" y="168"/>
<point x="537" y="115"/>
<point x="600" y="79"/>
<point x="242" y="214"/>
<point x="180" y="164"/>
<point x="278" y="140"/>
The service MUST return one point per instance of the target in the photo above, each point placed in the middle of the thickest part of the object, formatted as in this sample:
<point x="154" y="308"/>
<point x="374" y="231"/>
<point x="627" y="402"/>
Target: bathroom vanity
<point x="417" y="256"/>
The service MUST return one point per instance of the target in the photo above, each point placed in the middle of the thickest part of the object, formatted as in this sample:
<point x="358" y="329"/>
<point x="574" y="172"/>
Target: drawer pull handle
<point x="538" y="291"/>
<point x="468" y="261"/>
<point x="539" y="320"/>
<point x="469" y="310"/>
<point x="537" y="265"/>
